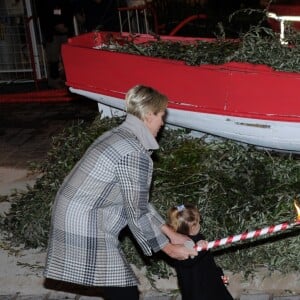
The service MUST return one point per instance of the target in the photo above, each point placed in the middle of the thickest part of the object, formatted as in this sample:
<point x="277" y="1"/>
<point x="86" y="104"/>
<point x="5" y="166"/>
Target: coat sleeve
<point x="134" y="172"/>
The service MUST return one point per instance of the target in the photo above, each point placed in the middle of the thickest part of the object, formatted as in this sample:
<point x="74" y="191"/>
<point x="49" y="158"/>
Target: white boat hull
<point x="269" y="134"/>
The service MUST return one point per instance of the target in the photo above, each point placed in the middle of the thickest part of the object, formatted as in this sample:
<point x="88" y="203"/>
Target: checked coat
<point x="107" y="190"/>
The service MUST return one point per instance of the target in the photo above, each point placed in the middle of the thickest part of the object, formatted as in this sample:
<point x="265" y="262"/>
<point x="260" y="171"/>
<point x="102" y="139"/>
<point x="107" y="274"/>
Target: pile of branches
<point x="260" y="45"/>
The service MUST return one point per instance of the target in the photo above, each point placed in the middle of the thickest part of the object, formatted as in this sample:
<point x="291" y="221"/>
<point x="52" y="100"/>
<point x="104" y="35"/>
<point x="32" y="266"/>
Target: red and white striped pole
<point x="247" y="235"/>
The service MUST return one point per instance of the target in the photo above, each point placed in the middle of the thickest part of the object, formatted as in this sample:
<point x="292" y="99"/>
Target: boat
<point x="252" y="104"/>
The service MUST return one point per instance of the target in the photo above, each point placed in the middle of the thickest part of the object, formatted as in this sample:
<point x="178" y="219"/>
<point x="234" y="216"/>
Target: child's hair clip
<point x="180" y="207"/>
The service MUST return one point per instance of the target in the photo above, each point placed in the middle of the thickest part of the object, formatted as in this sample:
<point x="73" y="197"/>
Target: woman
<point x="107" y="190"/>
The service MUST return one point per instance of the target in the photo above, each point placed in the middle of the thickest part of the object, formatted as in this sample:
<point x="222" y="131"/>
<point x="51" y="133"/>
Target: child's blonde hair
<point x="182" y="217"/>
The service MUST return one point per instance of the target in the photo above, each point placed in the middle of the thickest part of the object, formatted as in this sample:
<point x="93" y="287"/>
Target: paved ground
<point x="26" y="131"/>
<point x="27" y="128"/>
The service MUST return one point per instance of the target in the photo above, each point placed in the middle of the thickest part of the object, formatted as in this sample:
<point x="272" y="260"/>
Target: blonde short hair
<point x="141" y="100"/>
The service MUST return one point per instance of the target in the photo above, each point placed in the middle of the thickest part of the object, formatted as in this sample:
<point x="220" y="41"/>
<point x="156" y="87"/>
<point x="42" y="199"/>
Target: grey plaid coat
<point x="107" y="190"/>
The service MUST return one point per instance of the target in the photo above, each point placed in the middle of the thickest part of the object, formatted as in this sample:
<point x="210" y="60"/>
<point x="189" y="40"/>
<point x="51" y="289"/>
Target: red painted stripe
<point x="244" y="235"/>
<point x="271" y="229"/>
<point x="229" y="239"/>
<point x="217" y="243"/>
<point x="257" y="233"/>
<point x="59" y="95"/>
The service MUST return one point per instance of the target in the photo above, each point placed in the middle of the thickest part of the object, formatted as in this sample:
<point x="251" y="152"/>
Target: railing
<point x="282" y="20"/>
<point x="136" y="19"/>
<point x="21" y="51"/>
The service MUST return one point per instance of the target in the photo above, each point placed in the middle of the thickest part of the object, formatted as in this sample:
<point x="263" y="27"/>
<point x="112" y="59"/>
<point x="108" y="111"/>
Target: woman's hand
<point x="178" y="238"/>
<point x="179" y="252"/>
<point x="174" y="237"/>
<point x="202" y="243"/>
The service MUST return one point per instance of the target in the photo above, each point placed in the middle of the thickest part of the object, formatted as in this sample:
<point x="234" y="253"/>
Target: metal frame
<point x="22" y="55"/>
<point x="282" y="21"/>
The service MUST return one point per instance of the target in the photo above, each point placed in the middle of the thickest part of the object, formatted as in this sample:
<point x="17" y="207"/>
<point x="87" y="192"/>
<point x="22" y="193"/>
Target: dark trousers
<point x="121" y="293"/>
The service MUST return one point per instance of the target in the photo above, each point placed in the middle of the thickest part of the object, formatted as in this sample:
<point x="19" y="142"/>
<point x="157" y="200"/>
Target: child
<point x="199" y="278"/>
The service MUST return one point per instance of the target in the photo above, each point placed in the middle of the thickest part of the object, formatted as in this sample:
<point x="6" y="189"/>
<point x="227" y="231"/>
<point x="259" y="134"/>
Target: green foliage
<point x="236" y="188"/>
<point x="259" y="45"/>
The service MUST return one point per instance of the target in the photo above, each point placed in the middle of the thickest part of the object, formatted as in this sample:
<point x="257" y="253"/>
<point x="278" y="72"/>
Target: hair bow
<point x="180" y="207"/>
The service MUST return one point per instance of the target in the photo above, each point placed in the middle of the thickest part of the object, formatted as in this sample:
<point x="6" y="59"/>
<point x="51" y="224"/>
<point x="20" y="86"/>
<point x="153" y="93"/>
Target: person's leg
<point x="121" y="293"/>
<point x="53" y="55"/>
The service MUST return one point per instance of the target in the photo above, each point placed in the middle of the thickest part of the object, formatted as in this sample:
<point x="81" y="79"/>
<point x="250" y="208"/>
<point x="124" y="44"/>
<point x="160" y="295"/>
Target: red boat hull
<point x="238" y="90"/>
